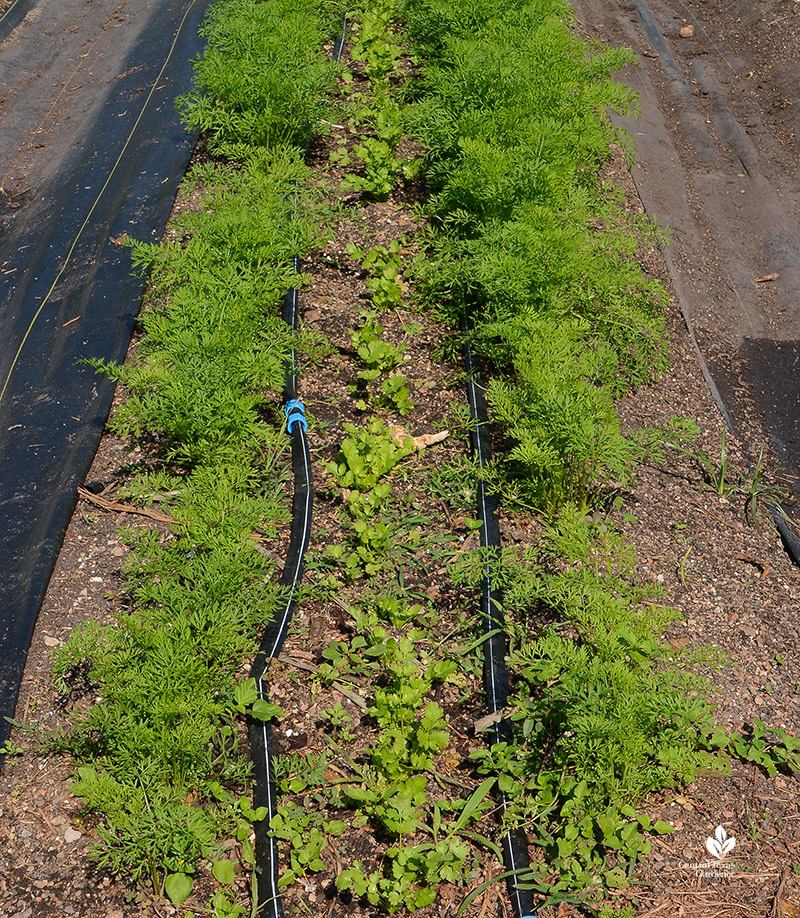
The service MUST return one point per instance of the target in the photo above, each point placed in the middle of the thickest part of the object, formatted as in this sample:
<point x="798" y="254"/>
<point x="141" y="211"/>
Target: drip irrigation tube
<point x="264" y="794"/>
<point x="495" y="671"/>
<point x="268" y="903"/>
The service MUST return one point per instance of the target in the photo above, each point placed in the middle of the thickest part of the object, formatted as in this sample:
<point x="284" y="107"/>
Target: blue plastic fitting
<point x="295" y="414"/>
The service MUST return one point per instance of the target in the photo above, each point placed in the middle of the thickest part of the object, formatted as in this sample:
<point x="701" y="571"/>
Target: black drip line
<point x="495" y="671"/>
<point x="264" y="793"/>
<point x="268" y="902"/>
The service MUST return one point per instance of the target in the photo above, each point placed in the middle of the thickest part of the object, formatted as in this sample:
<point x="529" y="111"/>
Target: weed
<point x="725" y="479"/>
<point x="682" y="567"/>
<point x="340" y="721"/>
<point x="770" y="747"/>
<point x="367" y="455"/>
<point x="383" y="264"/>
<point x="10" y="748"/>
<point x="760" y="494"/>
<point x="722" y="477"/>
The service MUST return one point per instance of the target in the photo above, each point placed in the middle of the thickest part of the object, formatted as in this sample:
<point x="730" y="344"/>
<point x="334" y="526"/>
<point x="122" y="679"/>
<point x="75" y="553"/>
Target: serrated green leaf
<point x="246" y="692"/>
<point x="265" y="710"/>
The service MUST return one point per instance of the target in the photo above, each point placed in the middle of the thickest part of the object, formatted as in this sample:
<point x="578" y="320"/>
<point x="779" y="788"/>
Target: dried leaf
<point x="399" y="434"/>
<point x="483" y="723"/>
<point x="425" y="440"/>
<point x="762" y="566"/>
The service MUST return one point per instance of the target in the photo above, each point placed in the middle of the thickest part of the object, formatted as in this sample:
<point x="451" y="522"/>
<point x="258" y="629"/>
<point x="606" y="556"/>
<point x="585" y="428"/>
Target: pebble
<point x="687" y="31"/>
<point x="71" y="835"/>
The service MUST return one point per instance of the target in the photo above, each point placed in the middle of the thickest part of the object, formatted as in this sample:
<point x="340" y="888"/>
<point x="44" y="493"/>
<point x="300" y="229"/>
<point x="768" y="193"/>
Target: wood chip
<point x="777" y="910"/>
<point x="766" y="278"/>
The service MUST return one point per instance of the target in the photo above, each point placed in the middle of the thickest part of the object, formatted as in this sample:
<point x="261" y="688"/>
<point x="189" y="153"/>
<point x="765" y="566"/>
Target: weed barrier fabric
<point x="13" y="16"/>
<point x="71" y="296"/>
<point x="495" y="671"/>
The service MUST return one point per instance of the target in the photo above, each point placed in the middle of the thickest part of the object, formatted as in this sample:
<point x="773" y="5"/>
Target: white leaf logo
<point x="720" y="845"/>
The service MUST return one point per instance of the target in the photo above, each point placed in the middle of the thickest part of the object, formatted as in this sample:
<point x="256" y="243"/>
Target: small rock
<point x="687" y="31"/>
<point x="750" y="632"/>
<point x="51" y="641"/>
<point x="71" y="835"/>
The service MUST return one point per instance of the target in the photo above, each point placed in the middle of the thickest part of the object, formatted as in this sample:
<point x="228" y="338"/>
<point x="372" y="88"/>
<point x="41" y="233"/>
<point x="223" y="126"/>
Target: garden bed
<point x="374" y="557"/>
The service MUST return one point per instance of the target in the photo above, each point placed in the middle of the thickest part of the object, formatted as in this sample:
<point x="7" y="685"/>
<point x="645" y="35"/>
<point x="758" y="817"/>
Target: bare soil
<point x="731" y="580"/>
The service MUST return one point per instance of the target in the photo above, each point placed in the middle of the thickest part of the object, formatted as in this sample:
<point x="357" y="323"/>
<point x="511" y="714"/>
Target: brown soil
<point x="732" y="581"/>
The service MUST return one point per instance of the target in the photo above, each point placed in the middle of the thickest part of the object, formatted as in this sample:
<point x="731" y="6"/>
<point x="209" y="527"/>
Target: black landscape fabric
<point x="52" y="410"/>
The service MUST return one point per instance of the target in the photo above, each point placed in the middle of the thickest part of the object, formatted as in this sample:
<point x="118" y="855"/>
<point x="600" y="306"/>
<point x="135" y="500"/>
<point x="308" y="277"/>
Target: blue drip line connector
<point x="295" y="414"/>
